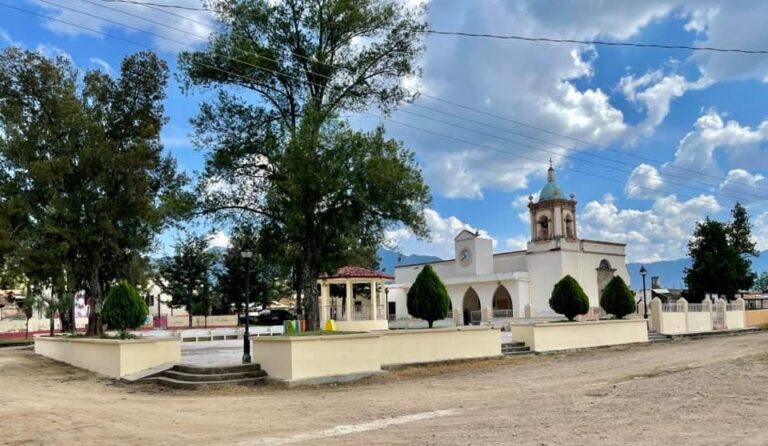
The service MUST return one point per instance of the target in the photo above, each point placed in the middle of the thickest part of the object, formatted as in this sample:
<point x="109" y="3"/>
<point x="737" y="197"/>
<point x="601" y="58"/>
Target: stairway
<point x="654" y="336"/>
<point x="515" y="349"/>
<point x="190" y="377"/>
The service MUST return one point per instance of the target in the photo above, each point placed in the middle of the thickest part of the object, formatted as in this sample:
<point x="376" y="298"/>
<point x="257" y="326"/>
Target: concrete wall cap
<point x="104" y="341"/>
<point x="554" y="324"/>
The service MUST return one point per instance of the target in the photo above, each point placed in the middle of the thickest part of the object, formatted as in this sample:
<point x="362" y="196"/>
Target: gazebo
<point x="355" y="298"/>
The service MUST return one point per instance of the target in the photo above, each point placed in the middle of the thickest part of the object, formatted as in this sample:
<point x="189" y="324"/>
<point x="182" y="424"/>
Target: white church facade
<point x="483" y="285"/>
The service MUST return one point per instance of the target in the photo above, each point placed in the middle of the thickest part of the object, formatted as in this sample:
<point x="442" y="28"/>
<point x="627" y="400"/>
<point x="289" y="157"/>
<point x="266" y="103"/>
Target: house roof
<point x="356" y="272"/>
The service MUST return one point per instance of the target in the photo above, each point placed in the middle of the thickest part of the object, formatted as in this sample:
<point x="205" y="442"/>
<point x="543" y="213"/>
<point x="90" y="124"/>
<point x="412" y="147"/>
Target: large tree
<point x="740" y="239"/>
<point x="285" y="71"/>
<point x="84" y="152"/>
<point x="186" y="276"/>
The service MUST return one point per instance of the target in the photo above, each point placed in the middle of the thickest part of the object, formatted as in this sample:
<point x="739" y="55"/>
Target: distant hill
<point x="670" y="272"/>
<point x="388" y="260"/>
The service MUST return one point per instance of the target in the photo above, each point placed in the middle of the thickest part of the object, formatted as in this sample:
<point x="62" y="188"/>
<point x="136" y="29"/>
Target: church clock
<point x="465" y="257"/>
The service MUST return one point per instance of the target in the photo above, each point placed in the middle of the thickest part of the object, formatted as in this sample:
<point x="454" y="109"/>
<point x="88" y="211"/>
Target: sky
<point x="650" y="141"/>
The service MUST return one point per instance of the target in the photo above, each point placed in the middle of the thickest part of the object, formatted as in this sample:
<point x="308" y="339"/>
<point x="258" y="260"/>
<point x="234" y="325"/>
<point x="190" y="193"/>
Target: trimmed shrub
<point x="428" y="299"/>
<point x="617" y="298"/>
<point x="568" y="298"/>
<point x="124" y="309"/>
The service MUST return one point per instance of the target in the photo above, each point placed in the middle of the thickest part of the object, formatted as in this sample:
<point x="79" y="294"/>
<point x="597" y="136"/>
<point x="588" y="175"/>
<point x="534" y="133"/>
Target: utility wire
<point x="718" y="178"/>
<point x="471" y="143"/>
<point x="663" y="46"/>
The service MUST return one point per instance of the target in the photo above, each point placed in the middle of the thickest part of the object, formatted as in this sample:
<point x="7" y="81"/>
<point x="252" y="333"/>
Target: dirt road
<point x="703" y="392"/>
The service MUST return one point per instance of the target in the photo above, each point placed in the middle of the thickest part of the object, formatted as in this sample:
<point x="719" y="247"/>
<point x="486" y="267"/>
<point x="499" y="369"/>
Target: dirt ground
<point x="701" y="392"/>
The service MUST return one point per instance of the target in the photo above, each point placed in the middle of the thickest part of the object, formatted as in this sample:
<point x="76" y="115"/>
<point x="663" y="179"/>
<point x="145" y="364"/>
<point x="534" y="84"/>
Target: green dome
<point x="550" y="191"/>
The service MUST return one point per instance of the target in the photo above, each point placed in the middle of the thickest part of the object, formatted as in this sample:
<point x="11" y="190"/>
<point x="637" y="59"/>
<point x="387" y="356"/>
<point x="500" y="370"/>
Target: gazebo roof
<point x="356" y="272"/>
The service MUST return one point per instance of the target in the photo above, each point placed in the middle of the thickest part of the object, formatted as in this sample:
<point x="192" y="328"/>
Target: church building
<point x="483" y="285"/>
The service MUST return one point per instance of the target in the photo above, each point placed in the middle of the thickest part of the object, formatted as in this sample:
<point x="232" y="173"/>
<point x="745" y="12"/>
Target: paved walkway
<point x="212" y="353"/>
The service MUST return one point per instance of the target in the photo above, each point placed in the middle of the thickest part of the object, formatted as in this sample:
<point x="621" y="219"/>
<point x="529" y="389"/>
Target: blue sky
<point x="650" y="141"/>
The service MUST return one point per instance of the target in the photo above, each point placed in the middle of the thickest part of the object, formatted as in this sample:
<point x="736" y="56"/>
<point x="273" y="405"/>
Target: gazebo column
<point x="324" y="309"/>
<point x="374" y="296"/>
<point x="348" y="315"/>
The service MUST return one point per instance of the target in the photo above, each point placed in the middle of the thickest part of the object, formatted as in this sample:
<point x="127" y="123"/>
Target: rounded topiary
<point x="427" y="298"/>
<point x="617" y="299"/>
<point x="568" y="298"/>
<point x="124" y="309"/>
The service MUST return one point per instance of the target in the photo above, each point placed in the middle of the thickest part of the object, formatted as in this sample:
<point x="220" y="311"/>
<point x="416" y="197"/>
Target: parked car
<point x="272" y="317"/>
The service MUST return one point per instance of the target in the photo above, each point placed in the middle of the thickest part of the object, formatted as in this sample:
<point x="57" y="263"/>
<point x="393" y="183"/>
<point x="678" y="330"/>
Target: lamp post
<point x="246" y="336"/>
<point x="643" y="272"/>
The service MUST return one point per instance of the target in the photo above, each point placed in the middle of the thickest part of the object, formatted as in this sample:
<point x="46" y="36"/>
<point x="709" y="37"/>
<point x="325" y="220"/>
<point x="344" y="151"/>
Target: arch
<point x="569" y="227"/>
<point x="543" y="227"/>
<point x="604" y="265"/>
<point x="502" y="300"/>
<point x="470" y="304"/>
<point x="604" y="275"/>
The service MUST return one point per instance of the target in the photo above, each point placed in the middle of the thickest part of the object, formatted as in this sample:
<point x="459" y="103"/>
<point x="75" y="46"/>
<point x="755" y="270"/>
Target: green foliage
<point x="568" y="298"/>
<point x="761" y="283"/>
<point x="720" y="256"/>
<point x="124" y="309"/>
<point x="85" y="182"/>
<point x="617" y="299"/>
<point x="323" y="193"/>
<point x="186" y="276"/>
<point x="427" y="298"/>
<point x="268" y="281"/>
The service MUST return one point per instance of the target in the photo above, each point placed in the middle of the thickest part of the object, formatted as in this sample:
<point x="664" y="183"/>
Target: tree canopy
<point x="617" y="299"/>
<point x="568" y="298"/>
<point x="719" y="255"/>
<point x="86" y="185"/>
<point x="124" y="309"/>
<point x="322" y="192"/>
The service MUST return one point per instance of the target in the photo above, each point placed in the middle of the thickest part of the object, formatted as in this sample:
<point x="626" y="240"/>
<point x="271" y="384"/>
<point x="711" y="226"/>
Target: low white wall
<point x="298" y="358"/>
<point x="735" y="319"/>
<point x="110" y="357"/>
<point x="35" y="325"/>
<point x="362" y="325"/>
<point x="552" y="336"/>
<point x="699" y="321"/>
<point x="438" y="344"/>
<point x="199" y="321"/>
<point x="673" y="323"/>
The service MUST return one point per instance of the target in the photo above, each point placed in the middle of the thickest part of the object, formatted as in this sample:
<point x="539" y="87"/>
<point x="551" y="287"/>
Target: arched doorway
<point x="604" y="275"/>
<point x="471" y="305"/>
<point x="502" y="302"/>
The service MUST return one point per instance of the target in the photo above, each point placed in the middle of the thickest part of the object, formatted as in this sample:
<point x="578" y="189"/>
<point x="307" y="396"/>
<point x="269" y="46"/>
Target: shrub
<point x="428" y="299"/>
<point x="568" y="298"/>
<point x="617" y="298"/>
<point x="124" y="309"/>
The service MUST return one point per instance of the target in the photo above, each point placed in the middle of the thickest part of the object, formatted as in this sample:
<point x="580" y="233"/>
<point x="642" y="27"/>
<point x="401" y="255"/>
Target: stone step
<point x="216" y="370"/>
<point x="519" y="353"/>
<point x="170" y="382"/>
<point x="207" y="377"/>
<point x="512" y="344"/>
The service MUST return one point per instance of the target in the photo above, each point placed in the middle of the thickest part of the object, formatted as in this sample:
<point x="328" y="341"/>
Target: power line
<point x="534" y="39"/>
<point x="471" y="143"/>
<point x="645" y="159"/>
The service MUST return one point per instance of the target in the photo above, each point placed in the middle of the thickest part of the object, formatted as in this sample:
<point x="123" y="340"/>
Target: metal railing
<point x="672" y="308"/>
<point x="733" y="307"/>
<point x="358" y="314"/>
<point x="502" y="314"/>
<point x="697" y="308"/>
<point x="476" y="317"/>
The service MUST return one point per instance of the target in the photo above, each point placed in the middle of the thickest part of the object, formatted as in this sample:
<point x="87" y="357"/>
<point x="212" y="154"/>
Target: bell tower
<point x="553" y="216"/>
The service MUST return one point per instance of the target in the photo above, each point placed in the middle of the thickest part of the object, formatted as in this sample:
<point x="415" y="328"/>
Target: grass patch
<point x="322" y="333"/>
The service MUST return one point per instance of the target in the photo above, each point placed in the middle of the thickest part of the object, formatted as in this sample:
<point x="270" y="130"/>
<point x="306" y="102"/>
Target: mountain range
<point x="670" y="272"/>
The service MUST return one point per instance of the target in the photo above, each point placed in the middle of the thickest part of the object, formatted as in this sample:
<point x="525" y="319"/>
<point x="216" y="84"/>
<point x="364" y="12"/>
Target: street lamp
<point x="643" y="272"/>
<point x="246" y="336"/>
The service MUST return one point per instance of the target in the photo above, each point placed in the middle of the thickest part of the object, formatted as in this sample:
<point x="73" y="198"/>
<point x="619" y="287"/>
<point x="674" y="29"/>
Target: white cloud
<point x="106" y="67"/>
<point x="219" y="239"/>
<point x="135" y="19"/>
<point x="741" y="145"/>
<point x="744" y="186"/>
<point x="760" y="230"/>
<point x="517" y="243"/>
<point x="521" y="204"/>
<point x="5" y="38"/>
<point x="52" y="51"/>
<point x="644" y="182"/>
<point x="442" y="232"/>
<point x="661" y="232"/>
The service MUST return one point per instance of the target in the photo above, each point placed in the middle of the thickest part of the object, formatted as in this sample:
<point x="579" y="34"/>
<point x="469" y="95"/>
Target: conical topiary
<point x="428" y="299"/>
<point x="568" y="298"/>
<point x="617" y="299"/>
<point x="124" y="309"/>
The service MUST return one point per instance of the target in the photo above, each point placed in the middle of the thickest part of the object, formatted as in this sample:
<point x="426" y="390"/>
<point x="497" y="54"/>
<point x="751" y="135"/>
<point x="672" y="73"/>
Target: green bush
<point x="568" y="298"/>
<point x="428" y="299"/>
<point x="617" y="298"/>
<point x="124" y="309"/>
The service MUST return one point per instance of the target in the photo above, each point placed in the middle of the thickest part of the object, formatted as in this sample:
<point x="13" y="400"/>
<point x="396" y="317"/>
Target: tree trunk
<point x="26" y="335"/>
<point x="94" y="298"/>
<point x="430" y="323"/>
<point x="51" y="319"/>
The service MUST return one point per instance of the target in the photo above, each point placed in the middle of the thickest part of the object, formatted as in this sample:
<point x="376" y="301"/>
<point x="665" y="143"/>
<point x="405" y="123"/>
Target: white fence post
<point x="656" y="316"/>
<point x="682" y="305"/>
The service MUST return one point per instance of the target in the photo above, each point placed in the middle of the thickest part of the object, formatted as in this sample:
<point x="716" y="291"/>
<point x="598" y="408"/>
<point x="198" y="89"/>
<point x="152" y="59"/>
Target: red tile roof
<point x="356" y="272"/>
